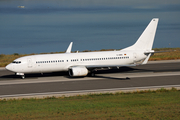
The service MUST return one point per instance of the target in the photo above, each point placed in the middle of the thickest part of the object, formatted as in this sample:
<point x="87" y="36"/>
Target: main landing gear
<point x="91" y="73"/>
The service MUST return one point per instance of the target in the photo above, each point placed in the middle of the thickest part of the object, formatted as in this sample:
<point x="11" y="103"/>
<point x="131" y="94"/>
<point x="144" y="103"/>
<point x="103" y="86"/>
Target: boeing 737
<point x="80" y="64"/>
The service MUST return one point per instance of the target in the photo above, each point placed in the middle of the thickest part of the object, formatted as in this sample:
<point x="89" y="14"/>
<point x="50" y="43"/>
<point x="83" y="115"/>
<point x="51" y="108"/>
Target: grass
<point x="6" y="59"/>
<point x="160" y="104"/>
<point x="173" y="54"/>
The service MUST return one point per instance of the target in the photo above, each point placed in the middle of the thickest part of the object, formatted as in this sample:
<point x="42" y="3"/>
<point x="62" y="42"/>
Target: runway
<point x="153" y="75"/>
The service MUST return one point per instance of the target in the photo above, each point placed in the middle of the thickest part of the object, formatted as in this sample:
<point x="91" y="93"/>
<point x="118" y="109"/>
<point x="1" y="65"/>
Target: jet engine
<point x="78" y="71"/>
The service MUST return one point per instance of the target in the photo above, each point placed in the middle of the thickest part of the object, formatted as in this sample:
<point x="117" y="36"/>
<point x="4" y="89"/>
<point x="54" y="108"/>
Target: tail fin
<point x="146" y="39"/>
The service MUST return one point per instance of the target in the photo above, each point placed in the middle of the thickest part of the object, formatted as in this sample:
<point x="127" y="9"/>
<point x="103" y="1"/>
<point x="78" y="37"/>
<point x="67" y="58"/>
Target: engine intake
<point x="78" y="71"/>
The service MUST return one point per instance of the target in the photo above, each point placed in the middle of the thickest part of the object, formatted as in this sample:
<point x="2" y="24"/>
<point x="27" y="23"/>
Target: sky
<point x="50" y="25"/>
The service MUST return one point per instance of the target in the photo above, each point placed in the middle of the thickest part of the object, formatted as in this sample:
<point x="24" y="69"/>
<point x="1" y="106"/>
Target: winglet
<point x="146" y="60"/>
<point x="69" y="48"/>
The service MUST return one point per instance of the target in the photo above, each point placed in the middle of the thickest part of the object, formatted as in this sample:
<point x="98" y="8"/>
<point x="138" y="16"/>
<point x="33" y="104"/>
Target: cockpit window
<point x="16" y="62"/>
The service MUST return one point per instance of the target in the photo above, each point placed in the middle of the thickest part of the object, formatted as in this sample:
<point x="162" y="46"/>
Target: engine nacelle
<point x="78" y="71"/>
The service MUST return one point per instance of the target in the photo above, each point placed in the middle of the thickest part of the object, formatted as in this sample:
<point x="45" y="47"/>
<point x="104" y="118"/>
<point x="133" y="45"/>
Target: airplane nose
<point x="9" y="67"/>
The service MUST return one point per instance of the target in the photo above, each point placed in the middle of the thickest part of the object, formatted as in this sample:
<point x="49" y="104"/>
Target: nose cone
<point x="9" y="67"/>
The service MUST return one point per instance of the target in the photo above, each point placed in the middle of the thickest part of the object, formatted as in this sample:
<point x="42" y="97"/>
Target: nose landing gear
<point x="21" y="74"/>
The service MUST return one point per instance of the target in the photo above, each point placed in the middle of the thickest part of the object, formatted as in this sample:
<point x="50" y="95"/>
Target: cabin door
<point x="29" y="60"/>
<point x="134" y="57"/>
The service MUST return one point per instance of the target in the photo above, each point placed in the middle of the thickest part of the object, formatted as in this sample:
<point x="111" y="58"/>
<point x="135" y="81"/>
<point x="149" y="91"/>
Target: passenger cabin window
<point x="53" y="61"/>
<point x="74" y="60"/>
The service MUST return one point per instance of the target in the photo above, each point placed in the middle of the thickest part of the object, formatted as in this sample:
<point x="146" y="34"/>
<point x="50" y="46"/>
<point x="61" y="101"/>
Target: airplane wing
<point x="108" y="66"/>
<point x="90" y="67"/>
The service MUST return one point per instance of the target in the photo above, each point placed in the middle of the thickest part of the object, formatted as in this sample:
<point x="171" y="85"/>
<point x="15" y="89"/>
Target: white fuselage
<point x="61" y="62"/>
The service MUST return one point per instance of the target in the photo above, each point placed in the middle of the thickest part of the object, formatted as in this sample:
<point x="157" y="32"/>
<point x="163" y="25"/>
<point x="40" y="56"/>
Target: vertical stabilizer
<point x="69" y="48"/>
<point x="145" y="41"/>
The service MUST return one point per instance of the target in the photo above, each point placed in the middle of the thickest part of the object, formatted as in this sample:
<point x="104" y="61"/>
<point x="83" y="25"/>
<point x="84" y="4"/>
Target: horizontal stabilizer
<point x="152" y="51"/>
<point x="148" y="52"/>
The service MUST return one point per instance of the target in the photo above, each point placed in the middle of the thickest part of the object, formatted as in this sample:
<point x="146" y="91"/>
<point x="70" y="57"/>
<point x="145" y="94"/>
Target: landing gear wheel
<point x="92" y="74"/>
<point x="23" y="76"/>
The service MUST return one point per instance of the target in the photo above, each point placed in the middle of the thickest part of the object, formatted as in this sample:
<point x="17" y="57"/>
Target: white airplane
<point x="80" y="64"/>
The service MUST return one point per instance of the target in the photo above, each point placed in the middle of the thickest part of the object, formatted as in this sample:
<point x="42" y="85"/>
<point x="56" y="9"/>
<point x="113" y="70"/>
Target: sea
<point x="45" y="26"/>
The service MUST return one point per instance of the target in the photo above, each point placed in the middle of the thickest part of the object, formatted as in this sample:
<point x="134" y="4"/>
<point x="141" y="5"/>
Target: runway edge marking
<point x="84" y="92"/>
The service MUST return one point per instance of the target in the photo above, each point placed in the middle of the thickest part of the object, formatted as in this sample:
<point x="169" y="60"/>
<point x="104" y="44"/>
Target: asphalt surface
<point x="154" y="74"/>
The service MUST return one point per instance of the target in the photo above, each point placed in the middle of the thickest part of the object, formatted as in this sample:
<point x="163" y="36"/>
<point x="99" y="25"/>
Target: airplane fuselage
<point x="62" y="62"/>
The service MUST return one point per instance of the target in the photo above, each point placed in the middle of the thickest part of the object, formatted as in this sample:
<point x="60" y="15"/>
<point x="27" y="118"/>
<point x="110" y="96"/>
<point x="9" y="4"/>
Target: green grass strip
<point x="160" y="104"/>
